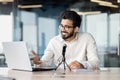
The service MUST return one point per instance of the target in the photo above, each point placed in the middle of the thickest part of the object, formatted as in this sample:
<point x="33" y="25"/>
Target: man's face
<point x="67" y="30"/>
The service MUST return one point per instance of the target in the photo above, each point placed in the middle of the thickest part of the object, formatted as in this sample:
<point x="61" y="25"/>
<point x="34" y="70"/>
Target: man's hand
<point x="36" y="59"/>
<point x="75" y="65"/>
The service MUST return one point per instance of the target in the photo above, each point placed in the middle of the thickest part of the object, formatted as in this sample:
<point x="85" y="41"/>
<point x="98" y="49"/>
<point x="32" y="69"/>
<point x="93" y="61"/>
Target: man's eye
<point x="67" y="26"/>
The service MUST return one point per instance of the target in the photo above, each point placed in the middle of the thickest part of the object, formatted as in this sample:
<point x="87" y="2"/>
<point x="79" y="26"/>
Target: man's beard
<point x="69" y="35"/>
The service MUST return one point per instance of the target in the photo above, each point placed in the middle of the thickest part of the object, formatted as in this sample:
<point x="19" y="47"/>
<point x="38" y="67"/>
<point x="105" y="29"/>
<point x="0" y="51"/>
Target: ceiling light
<point x="105" y="3"/>
<point x="6" y="0"/>
<point x="29" y="6"/>
<point x="102" y="2"/>
<point x="91" y="12"/>
<point x="118" y="1"/>
<point x="114" y="6"/>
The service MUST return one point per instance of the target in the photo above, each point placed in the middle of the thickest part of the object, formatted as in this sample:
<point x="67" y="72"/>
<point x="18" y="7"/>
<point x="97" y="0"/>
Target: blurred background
<point x="36" y="22"/>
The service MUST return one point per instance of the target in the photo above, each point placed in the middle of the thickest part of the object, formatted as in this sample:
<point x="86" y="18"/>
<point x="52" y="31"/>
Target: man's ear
<point x="76" y="29"/>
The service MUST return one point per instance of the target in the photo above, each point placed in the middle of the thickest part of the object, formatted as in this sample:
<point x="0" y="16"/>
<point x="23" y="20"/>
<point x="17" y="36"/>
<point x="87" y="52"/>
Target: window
<point x="6" y="29"/>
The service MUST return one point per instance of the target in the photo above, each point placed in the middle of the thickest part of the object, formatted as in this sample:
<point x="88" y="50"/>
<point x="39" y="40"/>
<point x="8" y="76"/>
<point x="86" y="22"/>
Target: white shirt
<point x="82" y="49"/>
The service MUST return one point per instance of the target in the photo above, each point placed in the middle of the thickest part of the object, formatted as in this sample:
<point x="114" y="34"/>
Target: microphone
<point x="64" y="50"/>
<point x="63" y="58"/>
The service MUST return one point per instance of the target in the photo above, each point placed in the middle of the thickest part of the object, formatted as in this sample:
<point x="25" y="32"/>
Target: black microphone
<point x="64" y="50"/>
<point x="63" y="58"/>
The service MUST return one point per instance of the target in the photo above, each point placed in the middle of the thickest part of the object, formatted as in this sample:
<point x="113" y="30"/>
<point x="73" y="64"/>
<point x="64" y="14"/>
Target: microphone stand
<point x="63" y="59"/>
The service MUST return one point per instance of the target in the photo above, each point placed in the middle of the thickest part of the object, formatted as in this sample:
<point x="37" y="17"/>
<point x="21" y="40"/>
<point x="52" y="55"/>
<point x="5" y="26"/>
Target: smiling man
<point x="81" y="51"/>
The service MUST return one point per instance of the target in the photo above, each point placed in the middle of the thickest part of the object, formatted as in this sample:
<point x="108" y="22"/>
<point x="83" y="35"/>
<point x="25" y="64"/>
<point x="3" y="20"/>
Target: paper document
<point x="82" y="70"/>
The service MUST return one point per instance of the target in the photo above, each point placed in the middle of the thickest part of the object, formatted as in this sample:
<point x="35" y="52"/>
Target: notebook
<point x="17" y="57"/>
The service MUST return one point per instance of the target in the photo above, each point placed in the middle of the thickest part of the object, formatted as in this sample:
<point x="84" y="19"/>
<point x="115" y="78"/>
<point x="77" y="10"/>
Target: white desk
<point x="106" y="74"/>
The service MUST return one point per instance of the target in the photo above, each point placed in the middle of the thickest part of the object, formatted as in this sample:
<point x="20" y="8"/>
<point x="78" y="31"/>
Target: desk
<point x="104" y="74"/>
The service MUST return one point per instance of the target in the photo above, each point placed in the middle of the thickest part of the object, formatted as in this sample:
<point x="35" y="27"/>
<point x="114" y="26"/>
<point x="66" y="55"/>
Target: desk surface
<point x="103" y="74"/>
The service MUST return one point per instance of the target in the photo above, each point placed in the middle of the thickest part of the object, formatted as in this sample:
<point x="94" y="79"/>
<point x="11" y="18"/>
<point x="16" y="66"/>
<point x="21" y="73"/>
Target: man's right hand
<point x="36" y="59"/>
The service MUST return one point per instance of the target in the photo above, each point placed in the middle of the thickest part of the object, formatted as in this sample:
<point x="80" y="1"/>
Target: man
<point x="81" y="50"/>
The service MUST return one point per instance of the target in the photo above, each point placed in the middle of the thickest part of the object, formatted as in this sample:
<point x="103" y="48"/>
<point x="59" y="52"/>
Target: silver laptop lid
<point x="16" y="55"/>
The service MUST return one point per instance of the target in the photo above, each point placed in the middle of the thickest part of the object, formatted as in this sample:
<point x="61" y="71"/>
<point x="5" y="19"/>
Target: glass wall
<point x="47" y="30"/>
<point x="36" y="27"/>
<point x="105" y="28"/>
<point x="29" y="29"/>
<point x="6" y="28"/>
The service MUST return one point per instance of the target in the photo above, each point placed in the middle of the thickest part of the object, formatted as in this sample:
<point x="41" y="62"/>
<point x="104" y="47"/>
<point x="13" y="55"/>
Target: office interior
<point x="37" y="21"/>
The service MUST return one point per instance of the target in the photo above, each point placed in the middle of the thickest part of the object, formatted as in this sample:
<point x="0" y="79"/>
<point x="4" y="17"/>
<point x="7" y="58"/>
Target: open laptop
<point x="17" y="57"/>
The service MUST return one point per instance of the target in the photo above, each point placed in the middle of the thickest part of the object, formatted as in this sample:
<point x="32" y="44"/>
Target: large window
<point x="6" y="29"/>
<point x="47" y="29"/>
<point x="29" y="29"/>
<point x="106" y="29"/>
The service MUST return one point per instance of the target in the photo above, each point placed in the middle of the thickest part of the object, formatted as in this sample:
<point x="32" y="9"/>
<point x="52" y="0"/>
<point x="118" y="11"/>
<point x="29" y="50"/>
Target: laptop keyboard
<point x="43" y="68"/>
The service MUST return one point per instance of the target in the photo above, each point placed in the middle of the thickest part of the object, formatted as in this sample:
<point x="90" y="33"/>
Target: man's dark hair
<point x="72" y="15"/>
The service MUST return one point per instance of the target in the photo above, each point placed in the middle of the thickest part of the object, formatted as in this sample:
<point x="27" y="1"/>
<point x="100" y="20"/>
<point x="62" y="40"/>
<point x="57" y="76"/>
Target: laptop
<point x="17" y="57"/>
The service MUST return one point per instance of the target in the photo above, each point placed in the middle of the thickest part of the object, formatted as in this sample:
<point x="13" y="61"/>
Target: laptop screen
<point x="16" y="55"/>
